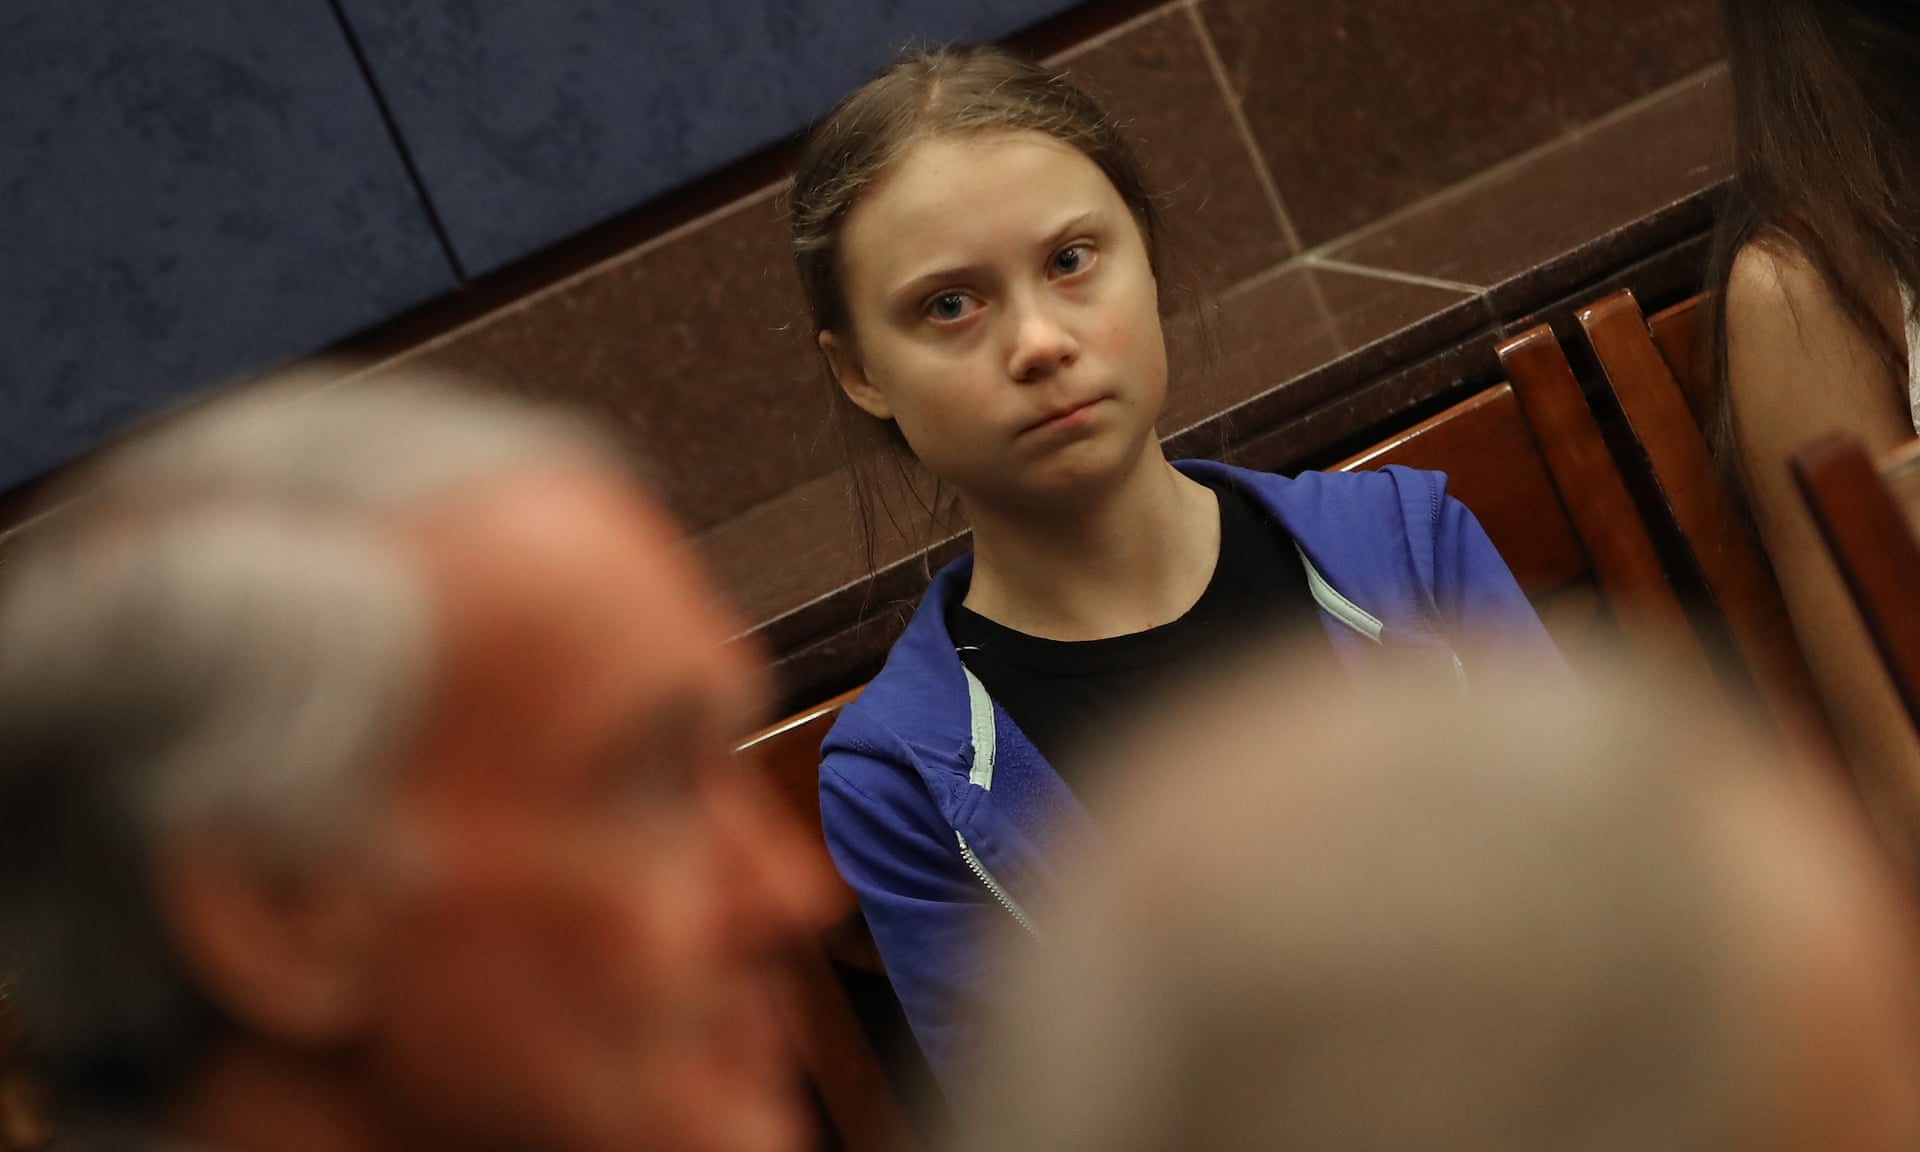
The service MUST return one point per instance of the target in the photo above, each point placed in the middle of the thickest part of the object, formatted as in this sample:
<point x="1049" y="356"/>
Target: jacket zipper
<point x="1339" y="607"/>
<point x="993" y="885"/>
<point x="985" y="747"/>
<point x="1356" y="618"/>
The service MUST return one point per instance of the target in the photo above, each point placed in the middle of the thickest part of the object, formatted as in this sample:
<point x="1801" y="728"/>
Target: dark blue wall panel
<point x="189" y="190"/>
<point x="532" y="119"/>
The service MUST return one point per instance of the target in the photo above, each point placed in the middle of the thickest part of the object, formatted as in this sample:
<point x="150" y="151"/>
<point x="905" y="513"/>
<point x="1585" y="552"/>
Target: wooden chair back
<point x="1658" y="374"/>
<point x="825" y="1028"/>
<point x="1870" y="517"/>
<point x="1527" y="457"/>
<point x="1680" y="334"/>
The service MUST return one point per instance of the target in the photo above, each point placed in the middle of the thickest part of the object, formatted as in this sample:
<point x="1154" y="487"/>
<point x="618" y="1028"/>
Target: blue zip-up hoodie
<point x="936" y="807"/>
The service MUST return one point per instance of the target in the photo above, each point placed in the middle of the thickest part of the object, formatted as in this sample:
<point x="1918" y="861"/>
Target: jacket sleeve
<point x="928" y="914"/>
<point x="1480" y="603"/>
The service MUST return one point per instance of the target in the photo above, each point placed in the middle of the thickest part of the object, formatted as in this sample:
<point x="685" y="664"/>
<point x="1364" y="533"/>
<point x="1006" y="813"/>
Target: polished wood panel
<point x="1494" y="468"/>
<point x="1625" y="564"/>
<point x="1664" y="425"/>
<point x="1872" y="537"/>
<point x="789" y="754"/>
<point x="825" y="1029"/>
<point x="1684" y="344"/>
<point x="1527" y="458"/>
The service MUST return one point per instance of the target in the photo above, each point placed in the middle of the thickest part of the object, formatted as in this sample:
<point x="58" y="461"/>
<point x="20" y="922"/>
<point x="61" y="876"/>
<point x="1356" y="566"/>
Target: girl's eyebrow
<point x="910" y="291"/>
<point x="1067" y="229"/>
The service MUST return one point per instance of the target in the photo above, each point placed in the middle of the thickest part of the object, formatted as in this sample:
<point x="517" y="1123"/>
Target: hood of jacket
<point x="1365" y="539"/>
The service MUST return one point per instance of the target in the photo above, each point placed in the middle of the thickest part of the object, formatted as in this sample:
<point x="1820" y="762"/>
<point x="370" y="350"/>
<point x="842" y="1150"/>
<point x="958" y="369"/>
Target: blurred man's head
<point x="379" y="740"/>
<point x="1520" y="919"/>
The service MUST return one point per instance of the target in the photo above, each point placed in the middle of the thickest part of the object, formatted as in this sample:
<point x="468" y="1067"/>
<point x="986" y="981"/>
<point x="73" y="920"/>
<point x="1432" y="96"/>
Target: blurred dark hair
<point x="1827" y="158"/>
<point x="107" y="1017"/>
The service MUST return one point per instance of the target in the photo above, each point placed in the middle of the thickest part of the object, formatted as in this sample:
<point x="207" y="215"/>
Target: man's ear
<point x="845" y="364"/>
<point x="289" y="956"/>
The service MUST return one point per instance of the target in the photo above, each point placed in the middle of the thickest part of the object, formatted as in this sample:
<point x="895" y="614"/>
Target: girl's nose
<point x="1042" y="344"/>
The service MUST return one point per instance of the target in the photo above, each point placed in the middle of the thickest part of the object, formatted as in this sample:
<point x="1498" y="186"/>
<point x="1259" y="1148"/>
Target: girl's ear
<point x="852" y="377"/>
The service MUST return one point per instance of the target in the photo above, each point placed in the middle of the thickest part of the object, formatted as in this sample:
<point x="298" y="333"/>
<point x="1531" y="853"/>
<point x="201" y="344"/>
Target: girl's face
<point x="1003" y="312"/>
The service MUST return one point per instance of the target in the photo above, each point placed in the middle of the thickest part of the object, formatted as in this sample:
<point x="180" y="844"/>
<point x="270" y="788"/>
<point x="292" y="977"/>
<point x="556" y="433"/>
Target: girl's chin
<point x="1106" y="461"/>
<point x="1072" y="473"/>
<point x="1071" y="484"/>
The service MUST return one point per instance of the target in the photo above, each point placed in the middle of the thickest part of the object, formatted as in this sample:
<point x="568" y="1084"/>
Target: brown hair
<point x="1827" y="158"/>
<point x="923" y="95"/>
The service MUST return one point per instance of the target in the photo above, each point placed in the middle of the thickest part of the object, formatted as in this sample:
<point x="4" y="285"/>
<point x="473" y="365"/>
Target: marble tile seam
<point x="1495" y="172"/>
<point x="1258" y="279"/>
<point x="1316" y="260"/>
<point x="573" y="280"/>
<point x="1259" y="160"/>
<point x="1100" y="40"/>
<point x="1328" y="320"/>
<point x="1631" y="108"/>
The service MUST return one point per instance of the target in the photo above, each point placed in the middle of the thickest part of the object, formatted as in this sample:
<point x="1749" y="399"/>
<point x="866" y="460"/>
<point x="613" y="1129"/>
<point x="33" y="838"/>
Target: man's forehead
<point x="521" y="537"/>
<point x="538" y="500"/>
<point x="568" y="606"/>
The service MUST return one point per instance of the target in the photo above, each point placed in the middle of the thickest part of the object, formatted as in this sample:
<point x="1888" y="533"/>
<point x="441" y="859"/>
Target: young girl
<point x="1818" y="261"/>
<point x="980" y="255"/>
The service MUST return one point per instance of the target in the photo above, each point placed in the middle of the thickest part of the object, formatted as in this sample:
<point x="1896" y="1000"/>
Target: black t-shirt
<point x="1061" y="692"/>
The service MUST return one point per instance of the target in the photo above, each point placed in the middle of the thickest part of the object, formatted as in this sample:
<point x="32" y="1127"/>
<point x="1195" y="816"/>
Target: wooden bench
<point x="1528" y="459"/>
<point x="1526" y="456"/>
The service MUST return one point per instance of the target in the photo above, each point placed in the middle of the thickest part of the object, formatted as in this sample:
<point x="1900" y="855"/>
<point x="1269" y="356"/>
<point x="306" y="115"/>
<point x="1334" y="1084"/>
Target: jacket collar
<point x="1347" y="563"/>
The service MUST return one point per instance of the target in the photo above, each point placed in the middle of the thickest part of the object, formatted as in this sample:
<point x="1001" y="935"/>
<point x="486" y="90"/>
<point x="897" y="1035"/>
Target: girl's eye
<point x="947" y="306"/>
<point x="1072" y="259"/>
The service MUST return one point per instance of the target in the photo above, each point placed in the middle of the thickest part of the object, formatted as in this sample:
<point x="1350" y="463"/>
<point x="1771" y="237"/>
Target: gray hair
<point x="1527" y="918"/>
<point x="220" y="633"/>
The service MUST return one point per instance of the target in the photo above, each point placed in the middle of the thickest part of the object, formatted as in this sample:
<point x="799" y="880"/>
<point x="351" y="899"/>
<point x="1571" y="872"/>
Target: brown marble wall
<point x="1321" y="353"/>
<point x="1362" y="108"/>
<point x="695" y="347"/>
<point x="1371" y="191"/>
<point x="1157" y="77"/>
<point x="1273" y="127"/>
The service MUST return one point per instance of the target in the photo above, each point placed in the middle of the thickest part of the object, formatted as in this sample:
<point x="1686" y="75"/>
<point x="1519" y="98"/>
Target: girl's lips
<point x="1068" y="418"/>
